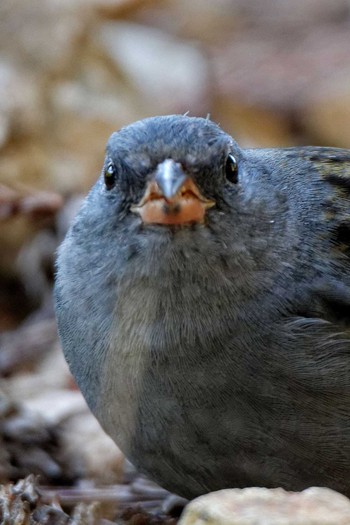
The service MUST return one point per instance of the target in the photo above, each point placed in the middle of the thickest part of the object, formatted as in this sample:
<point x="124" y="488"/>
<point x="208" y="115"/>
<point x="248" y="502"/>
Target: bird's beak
<point x="171" y="197"/>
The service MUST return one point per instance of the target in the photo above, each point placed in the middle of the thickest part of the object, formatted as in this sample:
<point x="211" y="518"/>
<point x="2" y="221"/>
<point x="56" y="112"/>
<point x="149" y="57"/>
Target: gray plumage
<point x="216" y="354"/>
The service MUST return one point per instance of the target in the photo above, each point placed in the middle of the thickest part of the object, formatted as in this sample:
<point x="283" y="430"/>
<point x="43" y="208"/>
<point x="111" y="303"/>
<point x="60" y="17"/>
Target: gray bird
<point x="203" y="304"/>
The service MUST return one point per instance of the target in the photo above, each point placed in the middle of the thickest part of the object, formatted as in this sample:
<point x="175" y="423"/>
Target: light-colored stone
<point x="170" y="74"/>
<point x="45" y="395"/>
<point x="41" y="35"/>
<point x="21" y="107"/>
<point x="102" y="459"/>
<point x="86" y="114"/>
<point x="261" y="506"/>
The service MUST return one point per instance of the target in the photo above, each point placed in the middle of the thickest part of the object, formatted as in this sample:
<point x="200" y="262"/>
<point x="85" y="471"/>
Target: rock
<point x="117" y="8"/>
<point x="169" y="74"/>
<point x="100" y="457"/>
<point x="260" y="70"/>
<point x="326" y="115"/>
<point x="46" y="397"/>
<point x="252" y="125"/>
<point x="29" y="444"/>
<point x="21" y="106"/>
<point x="42" y="37"/>
<point x="290" y="16"/>
<point x="86" y="113"/>
<point x="261" y="506"/>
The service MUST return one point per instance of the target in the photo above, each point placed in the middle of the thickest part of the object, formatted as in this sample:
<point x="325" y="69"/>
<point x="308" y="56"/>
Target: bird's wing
<point x="333" y="167"/>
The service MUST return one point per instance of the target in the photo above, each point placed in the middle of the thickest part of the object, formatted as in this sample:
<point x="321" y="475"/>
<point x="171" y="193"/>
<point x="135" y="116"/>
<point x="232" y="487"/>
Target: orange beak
<point x="172" y="198"/>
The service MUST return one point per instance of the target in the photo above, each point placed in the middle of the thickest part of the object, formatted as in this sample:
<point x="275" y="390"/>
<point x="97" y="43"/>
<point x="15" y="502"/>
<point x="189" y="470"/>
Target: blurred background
<point x="271" y="72"/>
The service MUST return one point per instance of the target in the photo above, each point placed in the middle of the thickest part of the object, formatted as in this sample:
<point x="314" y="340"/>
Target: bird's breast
<point x="162" y="344"/>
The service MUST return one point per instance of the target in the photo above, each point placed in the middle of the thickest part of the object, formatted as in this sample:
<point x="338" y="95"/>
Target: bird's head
<point x="171" y="170"/>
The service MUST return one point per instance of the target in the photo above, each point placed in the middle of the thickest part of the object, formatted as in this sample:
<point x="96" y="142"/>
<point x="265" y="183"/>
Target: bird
<point x="203" y="304"/>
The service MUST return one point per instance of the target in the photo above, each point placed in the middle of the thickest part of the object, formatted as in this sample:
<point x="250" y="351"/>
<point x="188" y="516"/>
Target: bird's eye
<point x="231" y="169"/>
<point x="110" y="176"/>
